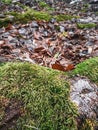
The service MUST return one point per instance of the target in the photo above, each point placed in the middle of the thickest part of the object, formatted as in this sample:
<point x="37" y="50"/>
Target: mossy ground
<point x="30" y="14"/>
<point x="86" y="25"/>
<point x="44" y="96"/>
<point x="89" y="68"/>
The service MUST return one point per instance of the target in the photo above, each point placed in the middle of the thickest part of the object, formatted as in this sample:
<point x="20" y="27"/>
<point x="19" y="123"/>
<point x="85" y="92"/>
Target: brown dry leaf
<point x="6" y="46"/>
<point x="70" y="67"/>
<point x="37" y="35"/>
<point x="39" y="49"/>
<point x="9" y="27"/>
<point x="48" y="42"/>
<point x="58" y="66"/>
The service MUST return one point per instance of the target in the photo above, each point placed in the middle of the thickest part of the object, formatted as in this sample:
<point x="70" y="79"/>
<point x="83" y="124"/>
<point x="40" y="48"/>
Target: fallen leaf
<point x="70" y="67"/>
<point x="9" y="27"/>
<point x="6" y="46"/>
<point x="38" y="49"/>
<point x="58" y="66"/>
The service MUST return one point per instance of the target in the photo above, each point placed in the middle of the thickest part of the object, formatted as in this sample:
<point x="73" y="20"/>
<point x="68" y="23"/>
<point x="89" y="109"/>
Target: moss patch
<point x="30" y="14"/>
<point x="7" y="1"/>
<point x="45" y="97"/>
<point x="4" y="22"/>
<point x="87" y="25"/>
<point x="88" y="68"/>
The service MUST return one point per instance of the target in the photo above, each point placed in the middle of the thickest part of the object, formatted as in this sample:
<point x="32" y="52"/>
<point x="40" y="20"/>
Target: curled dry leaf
<point x="70" y="67"/>
<point x="39" y="49"/>
<point x="58" y="66"/>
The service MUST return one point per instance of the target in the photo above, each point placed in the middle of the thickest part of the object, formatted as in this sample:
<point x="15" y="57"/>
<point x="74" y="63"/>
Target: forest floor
<point x="59" y="36"/>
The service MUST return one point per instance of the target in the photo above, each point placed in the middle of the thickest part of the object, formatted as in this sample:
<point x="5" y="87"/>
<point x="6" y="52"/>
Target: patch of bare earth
<point x="13" y="110"/>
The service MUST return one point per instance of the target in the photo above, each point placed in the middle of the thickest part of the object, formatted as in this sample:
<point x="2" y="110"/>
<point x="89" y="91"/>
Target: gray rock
<point x="34" y="24"/>
<point x="84" y="94"/>
<point x="62" y="29"/>
<point x="2" y="16"/>
<point x="22" y="31"/>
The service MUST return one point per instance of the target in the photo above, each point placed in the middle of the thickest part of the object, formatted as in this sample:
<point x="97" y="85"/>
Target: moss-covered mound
<point x="34" y="98"/>
<point x="88" y="68"/>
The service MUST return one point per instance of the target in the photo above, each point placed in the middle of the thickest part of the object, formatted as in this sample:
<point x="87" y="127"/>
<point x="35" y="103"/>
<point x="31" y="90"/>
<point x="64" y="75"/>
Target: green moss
<point x="87" y="25"/>
<point x="42" y="16"/>
<point x="30" y="14"/>
<point x="4" y="22"/>
<point x="43" y="4"/>
<point x="88" y="68"/>
<point x="44" y="94"/>
<point x="63" y="17"/>
<point x="7" y="1"/>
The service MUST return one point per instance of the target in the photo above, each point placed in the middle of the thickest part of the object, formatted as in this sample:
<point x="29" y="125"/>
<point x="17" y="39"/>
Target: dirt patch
<point x="12" y="111"/>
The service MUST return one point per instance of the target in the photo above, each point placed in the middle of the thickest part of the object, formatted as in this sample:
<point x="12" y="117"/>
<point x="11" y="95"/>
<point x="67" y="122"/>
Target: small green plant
<point x="63" y="17"/>
<point x="43" y="4"/>
<point x="87" y="25"/>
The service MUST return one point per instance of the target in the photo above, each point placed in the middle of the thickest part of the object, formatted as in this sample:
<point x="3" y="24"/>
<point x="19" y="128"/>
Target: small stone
<point x="89" y="43"/>
<point x="53" y="20"/>
<point x="2" y="42"/>
<point x="90" y="49"/>
<point x="2" y="16"/>
<point x="22" y="31"/>
<point x="34" y="24"/>
<point x="62" y="29"/>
